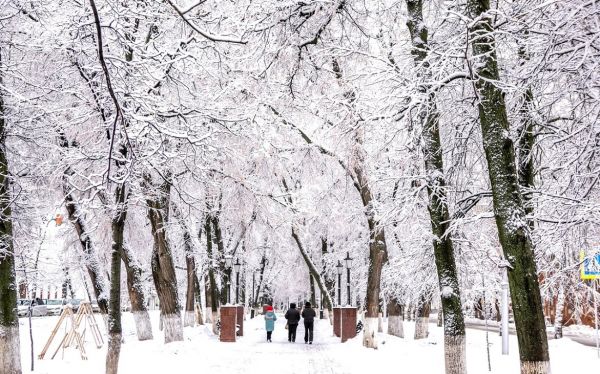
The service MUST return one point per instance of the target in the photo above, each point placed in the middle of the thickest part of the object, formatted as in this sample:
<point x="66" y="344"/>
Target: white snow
<point x="201" y="351"/>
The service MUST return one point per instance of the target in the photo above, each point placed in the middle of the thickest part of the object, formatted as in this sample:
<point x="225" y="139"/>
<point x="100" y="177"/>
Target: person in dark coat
<point x="309" y="315"/>
<point x="293" y="317"/>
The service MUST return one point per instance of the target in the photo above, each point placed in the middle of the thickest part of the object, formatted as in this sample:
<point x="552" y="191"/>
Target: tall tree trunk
<point x="190" y="264"/>
<point x="225" y="273"/>
<point x="377" y="258"/>
<point x="115" y="332"/>
<point x="422" y="318"/>
<point x="454" y="326"/>
<point x="558" y="315"/>
<point x="513" y="230"/>
<point x="66" y="285"/>
<point x="263" y="266"/>
<point x="163" y="270"/>
<point x="212" y="298"/>
<point x="92" y="264"/>
<point x="198" y="300"/>
<point x="395" y="320"/>
<point x="329" y="282"/>
<point x="141" y="317"/>
<point x="313" y="297"/>
<point x="10" y="356"/>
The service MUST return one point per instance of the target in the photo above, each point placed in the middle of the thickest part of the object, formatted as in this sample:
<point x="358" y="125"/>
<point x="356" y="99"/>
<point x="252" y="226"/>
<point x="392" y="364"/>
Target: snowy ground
<point x="202" y="352"/>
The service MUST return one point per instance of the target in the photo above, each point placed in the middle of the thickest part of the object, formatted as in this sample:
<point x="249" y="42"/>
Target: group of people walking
<point x="293" y="319"/>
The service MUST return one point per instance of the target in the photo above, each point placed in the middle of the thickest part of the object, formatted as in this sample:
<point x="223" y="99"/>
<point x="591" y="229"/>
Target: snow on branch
<point x="204" y="33"/>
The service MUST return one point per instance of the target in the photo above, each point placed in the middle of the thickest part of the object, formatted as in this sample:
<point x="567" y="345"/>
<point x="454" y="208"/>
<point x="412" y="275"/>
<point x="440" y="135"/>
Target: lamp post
<point x="228" y="263"/>
<point x="340" y="269"/>
<point x="348" y="261"/>
<point x="237" y="267"/>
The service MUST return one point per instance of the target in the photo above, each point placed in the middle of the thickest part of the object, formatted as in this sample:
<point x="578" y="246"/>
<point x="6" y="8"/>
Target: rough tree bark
<point x="513" y="230"/>
<point x="141" y="317"/>
<point x="115" y="332"/>
<point x="225" y="273"/>
<point x="422" y="318"/>
<point x="163" y="270"/>
<point x="454" y="326"/>
<point x="190" y="264"/>
<point x="395" y="320"/>
<point x="212" y="297"/>
<point x="558" y="316"/>
<point x="10" y="356"/>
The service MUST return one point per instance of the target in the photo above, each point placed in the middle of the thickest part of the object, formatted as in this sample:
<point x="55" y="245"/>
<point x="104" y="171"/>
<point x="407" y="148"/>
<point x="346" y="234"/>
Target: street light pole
<point x="348" y="260"/>
<point x="237" y="267"/>
<point x="253" y="282"/>
<point x="228" y="263"/>
<point x="340" y="268"/>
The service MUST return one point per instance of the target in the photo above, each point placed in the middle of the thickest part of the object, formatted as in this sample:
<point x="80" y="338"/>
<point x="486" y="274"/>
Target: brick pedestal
<point x="228" y="322"/>
<point x="336" y="321"/>
<point x="240" y="319"/>
<point x="348" y="321"/>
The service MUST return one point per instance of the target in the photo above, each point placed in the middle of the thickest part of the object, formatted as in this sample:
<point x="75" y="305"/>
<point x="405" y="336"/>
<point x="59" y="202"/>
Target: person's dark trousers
<point x="269" y="335"/>
<point x="308" y="331"/>
<point x="292" y="333"/>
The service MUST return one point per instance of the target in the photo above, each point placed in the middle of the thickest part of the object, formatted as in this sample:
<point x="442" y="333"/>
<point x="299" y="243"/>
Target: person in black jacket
<point x="293" y="317"/>
<point x="309" y="315"/>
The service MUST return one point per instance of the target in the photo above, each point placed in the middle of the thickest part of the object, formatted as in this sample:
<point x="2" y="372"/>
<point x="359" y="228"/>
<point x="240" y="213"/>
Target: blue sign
<point x="590" y="267"/>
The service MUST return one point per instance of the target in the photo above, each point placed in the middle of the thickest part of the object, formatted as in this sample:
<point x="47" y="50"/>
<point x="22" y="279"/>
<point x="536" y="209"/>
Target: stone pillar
<point x="348" y="322"/>
<point x="240" y="319"/>
<point x="336" y="321"/>
<point x="228" y="322"/>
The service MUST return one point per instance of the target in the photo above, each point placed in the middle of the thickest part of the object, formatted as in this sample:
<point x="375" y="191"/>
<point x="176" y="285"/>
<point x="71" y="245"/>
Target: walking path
<point x="201" y="351"/>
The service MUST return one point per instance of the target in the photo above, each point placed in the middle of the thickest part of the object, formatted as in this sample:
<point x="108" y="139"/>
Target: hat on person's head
<point x="269" y="308"/>
<point x="292" y="305"/>
<point x="307" y="304"/>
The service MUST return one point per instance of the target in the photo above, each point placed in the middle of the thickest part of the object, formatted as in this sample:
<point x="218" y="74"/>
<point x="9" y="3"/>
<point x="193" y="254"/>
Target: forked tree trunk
<point x="139" y="310"/>
<point x="163" y="270"/>
<point x="10" y="354"/>
<point x="513" y="230"/>
<point x="395" y="320"/>
<point x="422" y="318"/>
<point x="454" y="327"/>
<point x="92" y="265"/>
<point x="115" y="332"/>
